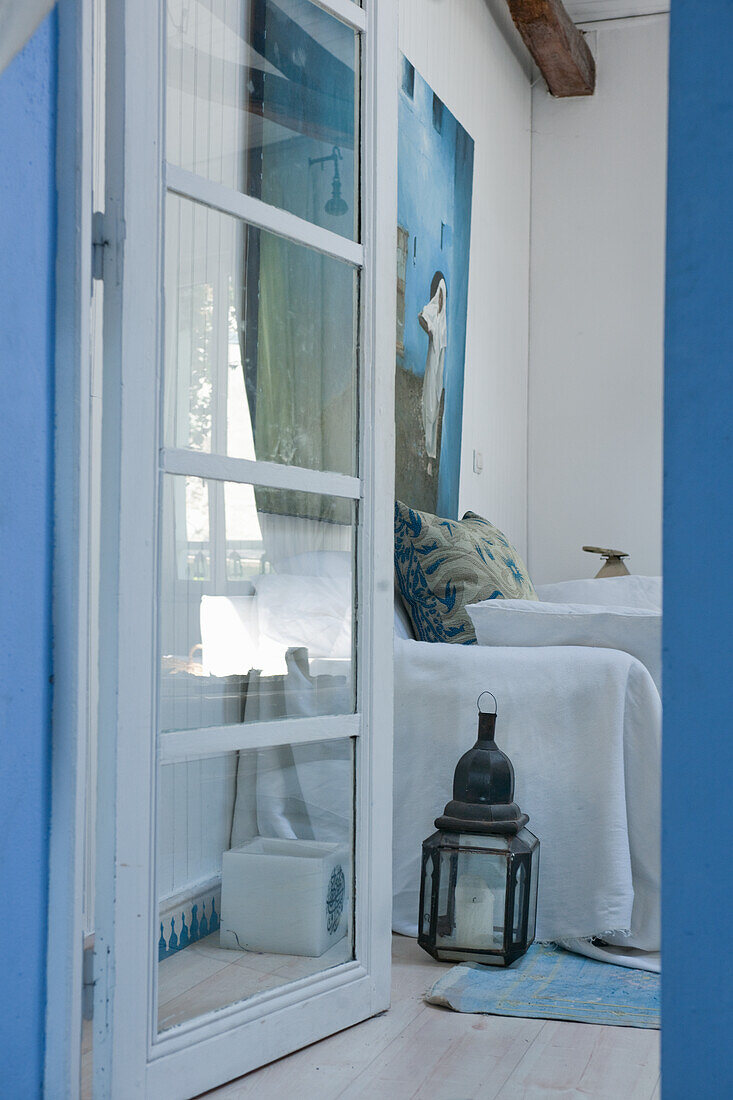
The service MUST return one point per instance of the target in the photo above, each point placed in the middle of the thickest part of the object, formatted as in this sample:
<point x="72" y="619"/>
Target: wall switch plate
<point x="478" y="462"/>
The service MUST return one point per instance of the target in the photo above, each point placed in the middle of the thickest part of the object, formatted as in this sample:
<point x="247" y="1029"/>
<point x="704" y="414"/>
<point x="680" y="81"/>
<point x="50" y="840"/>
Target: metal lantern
<point x="478" y="894"/>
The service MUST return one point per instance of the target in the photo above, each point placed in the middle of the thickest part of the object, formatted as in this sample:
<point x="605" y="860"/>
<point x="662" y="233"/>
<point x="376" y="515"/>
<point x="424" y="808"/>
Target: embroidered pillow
<point x="443" y="565"/>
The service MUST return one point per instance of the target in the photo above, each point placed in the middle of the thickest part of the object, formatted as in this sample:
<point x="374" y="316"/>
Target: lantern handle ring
<point x="478" y="702"/>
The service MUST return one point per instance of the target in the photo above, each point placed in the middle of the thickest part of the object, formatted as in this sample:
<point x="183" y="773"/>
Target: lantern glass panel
<point x="520" y="889"/>
<point x="472" y="897"/>
<point x="534" y="874"/>
<point x="427" y="894"/>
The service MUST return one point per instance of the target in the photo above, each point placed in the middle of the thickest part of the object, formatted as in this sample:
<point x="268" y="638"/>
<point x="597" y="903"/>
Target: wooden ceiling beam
<point x="557" y="46"/>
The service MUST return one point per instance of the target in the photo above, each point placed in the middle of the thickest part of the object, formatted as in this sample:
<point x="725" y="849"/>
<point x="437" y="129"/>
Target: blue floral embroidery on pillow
<point x="512" y="566"/>
<point x="424" y="605"/>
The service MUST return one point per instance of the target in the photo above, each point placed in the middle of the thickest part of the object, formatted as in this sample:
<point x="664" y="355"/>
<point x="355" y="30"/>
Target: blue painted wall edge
<point x="27" y="307"/>
<point x="697" y="997"/>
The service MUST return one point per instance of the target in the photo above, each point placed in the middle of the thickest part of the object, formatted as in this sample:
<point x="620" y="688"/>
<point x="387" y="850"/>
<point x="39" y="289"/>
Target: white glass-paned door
<point x="246" y="602"/>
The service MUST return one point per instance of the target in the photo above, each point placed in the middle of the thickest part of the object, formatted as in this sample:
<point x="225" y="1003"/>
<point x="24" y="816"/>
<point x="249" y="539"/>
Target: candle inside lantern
<point x="474" y="912"/>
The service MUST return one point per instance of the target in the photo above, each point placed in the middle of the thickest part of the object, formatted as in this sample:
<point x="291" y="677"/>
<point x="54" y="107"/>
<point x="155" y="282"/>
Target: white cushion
<point x="314" y="612"/>
<point x="338" y="563"/>
<point x="634" y="630"/>
<point x="631" y="591"/>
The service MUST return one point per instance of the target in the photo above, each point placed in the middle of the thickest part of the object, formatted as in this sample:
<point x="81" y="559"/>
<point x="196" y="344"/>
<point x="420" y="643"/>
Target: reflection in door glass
<point x="256" y="604"/>
<point x="261" y="346"/>
<point x="262" y="97"/>
<point x="254" y="873"/>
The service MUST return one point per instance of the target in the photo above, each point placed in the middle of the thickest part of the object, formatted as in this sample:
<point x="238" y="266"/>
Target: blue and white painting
<point x="435" y="180"/>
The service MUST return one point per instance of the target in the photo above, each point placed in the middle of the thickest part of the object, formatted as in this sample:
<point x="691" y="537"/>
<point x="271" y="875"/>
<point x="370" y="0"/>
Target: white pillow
<point x="314" y="612"/>
<point x="631" y="591"/>
<point x="634" y="630"/>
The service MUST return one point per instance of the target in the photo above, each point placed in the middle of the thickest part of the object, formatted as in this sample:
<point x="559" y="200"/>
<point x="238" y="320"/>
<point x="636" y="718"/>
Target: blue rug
<point x="549" y="983"/>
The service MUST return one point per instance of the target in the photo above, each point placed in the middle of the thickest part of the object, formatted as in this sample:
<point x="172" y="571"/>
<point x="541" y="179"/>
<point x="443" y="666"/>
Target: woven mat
<point x="549" y="983"/>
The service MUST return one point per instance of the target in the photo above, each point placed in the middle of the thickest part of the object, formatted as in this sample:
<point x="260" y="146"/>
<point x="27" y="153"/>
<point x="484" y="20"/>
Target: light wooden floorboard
<point x="577" y="1061"/>
<point x="205" y="976"/>
<point x="418" y="1051"/>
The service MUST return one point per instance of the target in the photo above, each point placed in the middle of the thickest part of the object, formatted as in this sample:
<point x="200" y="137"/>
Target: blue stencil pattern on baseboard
<point x="182" y="935"/>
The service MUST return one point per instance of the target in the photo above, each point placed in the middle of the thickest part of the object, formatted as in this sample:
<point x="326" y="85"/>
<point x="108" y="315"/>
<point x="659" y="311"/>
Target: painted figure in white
<point x="434" y="319"/>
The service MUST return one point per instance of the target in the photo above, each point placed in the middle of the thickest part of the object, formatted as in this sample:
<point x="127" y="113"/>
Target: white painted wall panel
<point x="196" y="803"/>
<point x="597" y="299"/>
<point x="469" y="60"/>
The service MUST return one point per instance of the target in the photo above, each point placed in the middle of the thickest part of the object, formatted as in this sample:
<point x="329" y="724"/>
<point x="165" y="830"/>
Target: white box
<point x="290" y="897"/>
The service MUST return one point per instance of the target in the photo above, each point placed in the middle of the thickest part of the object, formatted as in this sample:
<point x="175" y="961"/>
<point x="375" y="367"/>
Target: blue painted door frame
<point x="697" y="984"/>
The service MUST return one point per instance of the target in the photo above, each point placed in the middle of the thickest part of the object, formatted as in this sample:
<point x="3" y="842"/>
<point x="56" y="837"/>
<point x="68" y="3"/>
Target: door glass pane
<point x="261" y="345"/>
<point x="263" y="97"/>
<point x="254" y="873"/>
<point x="256" y="604"/>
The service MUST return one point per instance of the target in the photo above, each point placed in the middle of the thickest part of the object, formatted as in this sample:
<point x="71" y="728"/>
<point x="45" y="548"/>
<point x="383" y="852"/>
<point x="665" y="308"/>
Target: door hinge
<point x="100" y="241"/>
<point x="87" y="977"/>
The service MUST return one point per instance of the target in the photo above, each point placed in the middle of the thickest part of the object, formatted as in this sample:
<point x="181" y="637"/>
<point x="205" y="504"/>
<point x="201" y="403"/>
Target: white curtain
<point x="303" y="791"/>
<point x="18" y="20"/>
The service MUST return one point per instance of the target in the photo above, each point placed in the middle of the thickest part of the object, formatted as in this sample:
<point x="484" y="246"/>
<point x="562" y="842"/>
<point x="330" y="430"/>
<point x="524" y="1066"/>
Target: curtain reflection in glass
<point x="260" y="344"/>
<point x="256" y="608"/>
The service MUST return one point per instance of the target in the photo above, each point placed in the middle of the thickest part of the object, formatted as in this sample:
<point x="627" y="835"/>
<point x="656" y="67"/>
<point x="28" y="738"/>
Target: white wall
<point x="596" y="309"/>
<point x="469" y="57"/>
